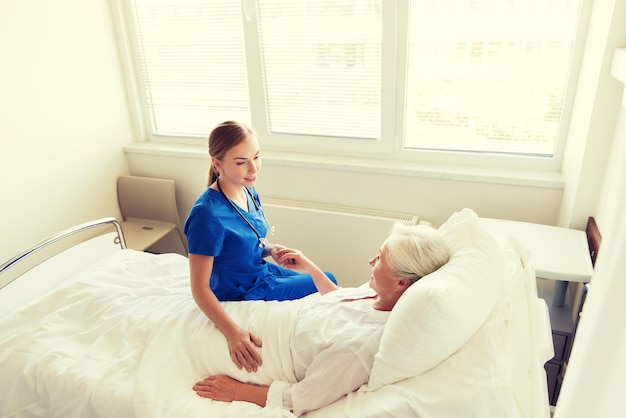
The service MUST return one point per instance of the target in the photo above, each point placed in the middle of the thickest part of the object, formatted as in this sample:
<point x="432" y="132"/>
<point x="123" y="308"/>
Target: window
<point x="402" y="78"/>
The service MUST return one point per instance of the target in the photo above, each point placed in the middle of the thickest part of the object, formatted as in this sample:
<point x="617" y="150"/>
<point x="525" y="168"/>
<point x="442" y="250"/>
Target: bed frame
<point x="47" y="248"/>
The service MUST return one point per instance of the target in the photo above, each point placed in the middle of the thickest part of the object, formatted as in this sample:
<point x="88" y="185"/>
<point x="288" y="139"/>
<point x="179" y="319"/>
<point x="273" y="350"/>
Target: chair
<point x="149" y="212"/>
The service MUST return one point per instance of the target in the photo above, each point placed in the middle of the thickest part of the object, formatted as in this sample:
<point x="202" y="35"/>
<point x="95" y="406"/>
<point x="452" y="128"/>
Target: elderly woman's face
<point x="381" y="280"/>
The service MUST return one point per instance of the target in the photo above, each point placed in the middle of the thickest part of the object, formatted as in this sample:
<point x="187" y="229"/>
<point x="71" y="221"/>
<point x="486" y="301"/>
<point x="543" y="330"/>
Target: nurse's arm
<point x="241" y="343"/>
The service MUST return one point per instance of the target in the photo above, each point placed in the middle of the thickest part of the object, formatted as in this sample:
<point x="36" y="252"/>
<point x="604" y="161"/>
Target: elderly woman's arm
<point x="295" y="260"/>
<point x="336" y="371"/>
<point x="227" y="389"/>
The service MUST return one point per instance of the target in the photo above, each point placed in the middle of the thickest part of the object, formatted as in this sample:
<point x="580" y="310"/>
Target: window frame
<point x="395" y="31"/>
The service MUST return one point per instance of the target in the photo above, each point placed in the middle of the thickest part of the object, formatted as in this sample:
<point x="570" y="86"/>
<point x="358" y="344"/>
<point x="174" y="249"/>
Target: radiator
<point x="339" y="239"/>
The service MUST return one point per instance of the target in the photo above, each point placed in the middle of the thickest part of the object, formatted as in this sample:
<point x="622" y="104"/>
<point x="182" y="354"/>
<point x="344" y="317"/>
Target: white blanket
<point x="129" y="341"/>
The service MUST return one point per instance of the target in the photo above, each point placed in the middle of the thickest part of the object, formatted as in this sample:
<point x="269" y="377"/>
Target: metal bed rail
<point x="119" y="239"/>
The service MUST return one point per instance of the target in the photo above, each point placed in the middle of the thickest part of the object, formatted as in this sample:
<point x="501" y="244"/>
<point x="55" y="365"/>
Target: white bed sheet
<point x="128" y="341"/>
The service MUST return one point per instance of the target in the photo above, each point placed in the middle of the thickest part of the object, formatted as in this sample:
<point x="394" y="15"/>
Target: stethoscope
<point x="262" y="241"/>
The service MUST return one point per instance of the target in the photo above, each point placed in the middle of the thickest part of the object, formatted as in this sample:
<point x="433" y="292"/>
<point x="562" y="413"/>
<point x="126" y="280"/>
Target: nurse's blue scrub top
<point x="214" y="228"/>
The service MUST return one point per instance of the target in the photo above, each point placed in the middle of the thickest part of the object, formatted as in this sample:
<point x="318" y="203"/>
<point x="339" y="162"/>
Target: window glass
<point x="321" y="65"/>
<point x="488" y="75"/>
<point x="192" y="63"/>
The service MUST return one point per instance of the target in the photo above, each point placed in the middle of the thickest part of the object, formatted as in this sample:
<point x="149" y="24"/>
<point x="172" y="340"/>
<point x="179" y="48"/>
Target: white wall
<point x="63" y="118"/>
<point x="433" y="199"/>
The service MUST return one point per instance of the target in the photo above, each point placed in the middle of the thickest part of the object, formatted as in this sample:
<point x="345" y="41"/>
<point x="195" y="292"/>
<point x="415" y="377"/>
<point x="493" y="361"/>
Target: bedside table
<point x="559" y="256"/>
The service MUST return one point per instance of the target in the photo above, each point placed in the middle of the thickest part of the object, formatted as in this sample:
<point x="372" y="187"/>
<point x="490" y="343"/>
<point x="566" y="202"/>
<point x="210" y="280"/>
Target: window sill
<point x="542" y="179"/>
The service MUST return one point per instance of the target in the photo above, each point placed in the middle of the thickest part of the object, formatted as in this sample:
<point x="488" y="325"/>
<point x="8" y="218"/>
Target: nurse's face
<point x="242" y="163"/>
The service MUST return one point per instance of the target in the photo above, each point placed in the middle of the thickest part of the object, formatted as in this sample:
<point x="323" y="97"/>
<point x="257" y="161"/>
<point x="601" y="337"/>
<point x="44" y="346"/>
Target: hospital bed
<point x="100" y="330"/>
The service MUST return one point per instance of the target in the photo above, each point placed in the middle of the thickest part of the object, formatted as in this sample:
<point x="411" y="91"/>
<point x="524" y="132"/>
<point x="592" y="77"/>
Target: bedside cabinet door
<point x="552" y="373"/>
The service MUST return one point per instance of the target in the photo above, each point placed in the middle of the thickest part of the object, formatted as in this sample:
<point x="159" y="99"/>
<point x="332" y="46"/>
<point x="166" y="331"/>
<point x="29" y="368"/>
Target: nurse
<point x="226" y="230"/>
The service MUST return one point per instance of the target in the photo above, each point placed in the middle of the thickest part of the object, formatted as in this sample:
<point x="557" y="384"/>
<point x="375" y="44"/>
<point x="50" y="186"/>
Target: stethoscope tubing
<point x="262" y="241"/>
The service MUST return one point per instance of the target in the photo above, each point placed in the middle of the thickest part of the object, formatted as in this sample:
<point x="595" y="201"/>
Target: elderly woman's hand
<point x="295" y="260"/>
<point x="227" y="389"/>
<point x="219" y="388"/>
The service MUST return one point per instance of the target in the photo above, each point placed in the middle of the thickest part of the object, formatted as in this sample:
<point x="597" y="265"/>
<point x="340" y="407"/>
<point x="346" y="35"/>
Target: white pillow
<point x="439" y="313"/>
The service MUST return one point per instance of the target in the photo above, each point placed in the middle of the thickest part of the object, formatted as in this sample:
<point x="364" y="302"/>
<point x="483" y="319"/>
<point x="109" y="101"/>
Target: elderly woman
<point x="336" y="337"/>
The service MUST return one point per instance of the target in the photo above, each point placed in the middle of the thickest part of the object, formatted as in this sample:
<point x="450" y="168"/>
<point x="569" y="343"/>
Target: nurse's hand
<point x="294" y="260"/>
<point x="242" y="347"/>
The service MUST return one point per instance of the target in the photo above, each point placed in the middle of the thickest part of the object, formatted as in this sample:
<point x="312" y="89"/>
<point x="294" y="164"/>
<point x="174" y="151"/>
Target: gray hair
<point x="413" y="251"/>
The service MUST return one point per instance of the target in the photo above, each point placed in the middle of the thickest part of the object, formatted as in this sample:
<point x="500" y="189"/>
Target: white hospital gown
<point x="333" y="347"/>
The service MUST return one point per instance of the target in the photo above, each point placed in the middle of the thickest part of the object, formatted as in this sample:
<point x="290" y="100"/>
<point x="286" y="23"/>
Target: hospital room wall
<point x="433" y="199"/>
<point x="64" y="118"/>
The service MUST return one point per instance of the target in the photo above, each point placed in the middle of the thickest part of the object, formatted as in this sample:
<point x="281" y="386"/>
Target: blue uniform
<point x="215" y="228"/>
